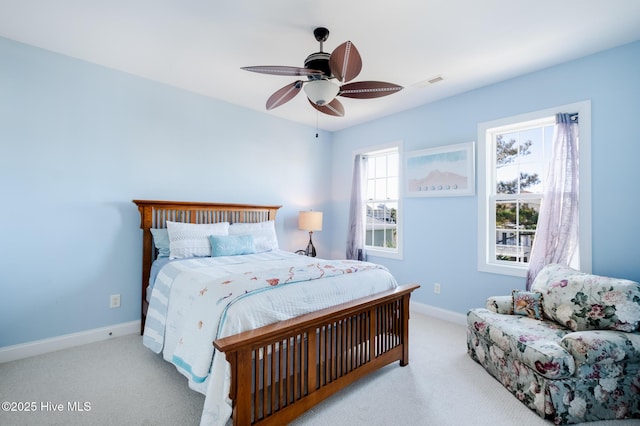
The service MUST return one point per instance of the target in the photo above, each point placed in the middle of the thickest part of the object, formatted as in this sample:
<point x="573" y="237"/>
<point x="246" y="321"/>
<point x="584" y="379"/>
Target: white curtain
<point x="357" y="210"/>
<point x="556" y="238"/>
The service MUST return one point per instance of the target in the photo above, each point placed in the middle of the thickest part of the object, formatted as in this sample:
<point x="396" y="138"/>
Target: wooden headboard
<point x="155" y="214"/>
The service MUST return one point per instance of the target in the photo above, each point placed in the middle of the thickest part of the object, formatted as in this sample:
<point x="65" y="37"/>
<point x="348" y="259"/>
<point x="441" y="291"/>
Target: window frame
<point x="486" y="190"/>
<point x="380" y="251"/>
<point x="494" y="198"/>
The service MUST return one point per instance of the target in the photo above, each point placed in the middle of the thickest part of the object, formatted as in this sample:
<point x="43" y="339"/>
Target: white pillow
<point x="192" y="240"/>
<point x="264" y="234"/>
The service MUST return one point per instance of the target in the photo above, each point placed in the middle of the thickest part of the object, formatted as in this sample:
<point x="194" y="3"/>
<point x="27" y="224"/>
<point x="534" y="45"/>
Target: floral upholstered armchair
<point x="569" y="349"/>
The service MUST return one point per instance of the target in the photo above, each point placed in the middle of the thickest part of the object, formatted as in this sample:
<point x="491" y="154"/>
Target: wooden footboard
<point x="281" y="370"/>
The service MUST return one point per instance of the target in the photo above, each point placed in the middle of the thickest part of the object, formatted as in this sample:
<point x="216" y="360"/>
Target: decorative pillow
<point x="583" y="301"/>
<point x="527" y="303"/>
<point x="264" y="234"/>
<point x="192" y="240"/>
<point x="231" y="245"/>
<point x="161" y="241"/>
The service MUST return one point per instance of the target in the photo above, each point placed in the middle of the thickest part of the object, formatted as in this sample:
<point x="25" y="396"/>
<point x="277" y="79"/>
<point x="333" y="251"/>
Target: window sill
<point x="384" y="253"/>
<point x="494" y="268"/>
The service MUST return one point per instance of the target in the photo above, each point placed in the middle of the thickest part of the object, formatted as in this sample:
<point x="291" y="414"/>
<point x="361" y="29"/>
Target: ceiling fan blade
<point x="368" y="89"/>
<point x="345" y="62"/>
<point x="334" y="108"/>
<point x="284" y="95"/>
<point x="280" y="70"/>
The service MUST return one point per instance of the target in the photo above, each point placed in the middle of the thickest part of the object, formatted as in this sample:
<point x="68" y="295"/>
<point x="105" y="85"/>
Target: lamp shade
<point x="310" y="221"/>
<point x="321" y="92"/>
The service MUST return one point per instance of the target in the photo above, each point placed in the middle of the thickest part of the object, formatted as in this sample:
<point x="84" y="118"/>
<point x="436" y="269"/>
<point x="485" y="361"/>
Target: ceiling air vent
<point x="429" y="81"/>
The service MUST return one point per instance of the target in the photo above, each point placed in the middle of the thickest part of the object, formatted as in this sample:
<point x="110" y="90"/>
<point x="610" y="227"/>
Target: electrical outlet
<point x="436" y="288"/>
<point x="114" y="301"/>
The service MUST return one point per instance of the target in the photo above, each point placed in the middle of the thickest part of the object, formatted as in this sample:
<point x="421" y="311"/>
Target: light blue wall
<point x="80" y="141"/>
<point x="441" y="233"/>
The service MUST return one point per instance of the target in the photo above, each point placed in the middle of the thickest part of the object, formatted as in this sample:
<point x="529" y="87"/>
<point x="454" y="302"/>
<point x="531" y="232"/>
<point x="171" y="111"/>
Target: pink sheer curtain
<point x="357" y="210"/>
<point x="556" y="238"/>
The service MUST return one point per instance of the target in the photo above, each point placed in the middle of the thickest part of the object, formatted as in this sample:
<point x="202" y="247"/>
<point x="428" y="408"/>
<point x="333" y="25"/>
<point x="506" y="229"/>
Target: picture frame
<point x="444" y="171"/>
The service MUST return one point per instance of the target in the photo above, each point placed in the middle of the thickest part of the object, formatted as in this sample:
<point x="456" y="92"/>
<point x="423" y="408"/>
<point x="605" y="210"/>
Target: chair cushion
<point x="535" y="343"/>
<point x="583" y="301"/>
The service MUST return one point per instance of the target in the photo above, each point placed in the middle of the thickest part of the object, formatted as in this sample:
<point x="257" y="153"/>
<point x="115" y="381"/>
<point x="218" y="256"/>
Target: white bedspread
<point x="174" y="309"/>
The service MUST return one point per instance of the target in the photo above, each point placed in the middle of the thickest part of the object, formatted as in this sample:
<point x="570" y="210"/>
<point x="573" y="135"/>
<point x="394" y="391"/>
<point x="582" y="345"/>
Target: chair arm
<point x="603" y="346"/>
<point x="500" y="304"/>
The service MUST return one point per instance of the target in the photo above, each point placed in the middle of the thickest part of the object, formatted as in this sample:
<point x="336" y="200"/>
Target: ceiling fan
<point x="321" y="69"/>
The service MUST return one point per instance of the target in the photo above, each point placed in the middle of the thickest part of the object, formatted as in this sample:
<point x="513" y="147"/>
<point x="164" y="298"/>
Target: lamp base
<point x="310" y="250"/>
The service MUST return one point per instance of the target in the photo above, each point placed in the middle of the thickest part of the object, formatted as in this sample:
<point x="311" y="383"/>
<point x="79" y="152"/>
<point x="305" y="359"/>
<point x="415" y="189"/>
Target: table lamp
<point x="310" y="221"/>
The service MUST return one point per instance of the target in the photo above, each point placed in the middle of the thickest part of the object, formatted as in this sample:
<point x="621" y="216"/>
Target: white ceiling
<point x="200" y="45"/>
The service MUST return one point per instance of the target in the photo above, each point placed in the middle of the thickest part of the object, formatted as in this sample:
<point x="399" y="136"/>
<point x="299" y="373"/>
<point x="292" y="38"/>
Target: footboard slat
<point x="281" y="370"/>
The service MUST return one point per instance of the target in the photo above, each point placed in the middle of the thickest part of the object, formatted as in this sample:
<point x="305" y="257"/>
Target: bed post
<point x="405" y="330"/>
<point x="146" y="217"/>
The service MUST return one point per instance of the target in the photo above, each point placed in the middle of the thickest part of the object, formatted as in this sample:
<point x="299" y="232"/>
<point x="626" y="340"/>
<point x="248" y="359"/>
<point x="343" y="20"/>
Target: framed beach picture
<point x="445" y="171"/>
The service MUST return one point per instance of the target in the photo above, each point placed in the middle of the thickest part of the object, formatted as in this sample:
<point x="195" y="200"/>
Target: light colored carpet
<point x="126" y="384"/>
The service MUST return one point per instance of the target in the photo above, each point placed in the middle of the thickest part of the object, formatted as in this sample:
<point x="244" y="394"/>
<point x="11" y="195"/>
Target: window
<point x="382" y="236"/>
<point x="521" y="155"/>
<point x="514" y="155"/>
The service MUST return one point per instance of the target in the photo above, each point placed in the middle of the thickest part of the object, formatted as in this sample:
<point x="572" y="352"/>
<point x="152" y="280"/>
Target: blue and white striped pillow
<point x="263" y="233"/>
<point x="192" y="240"/>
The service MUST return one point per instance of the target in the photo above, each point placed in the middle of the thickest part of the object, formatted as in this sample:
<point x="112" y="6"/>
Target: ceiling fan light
<point x="321" y="92"/>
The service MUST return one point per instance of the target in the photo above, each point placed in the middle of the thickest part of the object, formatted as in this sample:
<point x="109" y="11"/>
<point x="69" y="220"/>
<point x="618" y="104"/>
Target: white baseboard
<point x="38" y="347"/>
<point x="443" y="314"/>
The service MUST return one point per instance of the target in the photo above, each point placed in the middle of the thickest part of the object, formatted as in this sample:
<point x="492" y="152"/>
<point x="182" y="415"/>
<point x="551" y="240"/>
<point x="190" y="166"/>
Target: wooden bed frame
<point x="281" y="370"/>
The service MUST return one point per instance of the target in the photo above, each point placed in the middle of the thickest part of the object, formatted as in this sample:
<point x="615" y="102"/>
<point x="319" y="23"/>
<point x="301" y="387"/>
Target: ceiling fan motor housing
<point x="318" y="61"/>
